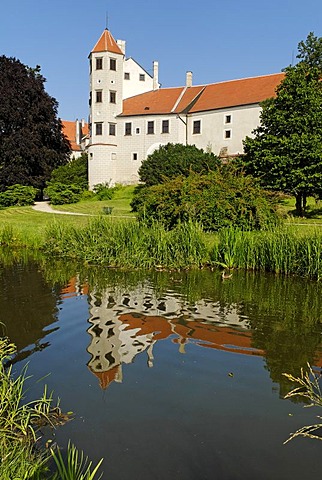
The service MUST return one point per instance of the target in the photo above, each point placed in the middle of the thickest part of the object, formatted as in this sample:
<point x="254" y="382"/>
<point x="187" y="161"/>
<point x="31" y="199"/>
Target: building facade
<point x="131" y="116"/>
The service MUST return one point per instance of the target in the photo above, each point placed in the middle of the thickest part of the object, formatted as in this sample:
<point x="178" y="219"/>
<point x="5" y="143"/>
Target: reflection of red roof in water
<point x="74" y="288"/>
<point x="210" y="335"/>
<point x="107" y="377"/>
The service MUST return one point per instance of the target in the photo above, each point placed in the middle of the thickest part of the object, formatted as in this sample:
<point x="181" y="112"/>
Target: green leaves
<point x="172" y="160"/>
<point x="286" y="150"/>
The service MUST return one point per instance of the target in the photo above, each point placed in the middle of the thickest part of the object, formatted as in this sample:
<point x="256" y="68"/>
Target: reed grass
<point x="19" y="423"/>
<point x="282" y="250"/>
<point x="129" y="244"/>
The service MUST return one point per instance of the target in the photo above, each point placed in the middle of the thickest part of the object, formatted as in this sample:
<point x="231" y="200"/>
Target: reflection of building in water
<point x="122" y="326"/>
<point x="74" y="288"/>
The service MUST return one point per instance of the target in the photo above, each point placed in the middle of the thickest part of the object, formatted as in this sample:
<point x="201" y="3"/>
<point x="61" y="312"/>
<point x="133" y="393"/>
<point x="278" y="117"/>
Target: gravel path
<point x="46" y="208"/>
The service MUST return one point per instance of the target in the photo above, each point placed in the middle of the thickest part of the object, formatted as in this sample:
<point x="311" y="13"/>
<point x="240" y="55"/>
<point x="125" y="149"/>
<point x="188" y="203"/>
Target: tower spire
<point x="106" y="20"/>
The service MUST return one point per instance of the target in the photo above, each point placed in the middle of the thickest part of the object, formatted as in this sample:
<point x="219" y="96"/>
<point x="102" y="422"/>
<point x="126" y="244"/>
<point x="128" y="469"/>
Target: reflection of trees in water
<point x="28" y="305"/>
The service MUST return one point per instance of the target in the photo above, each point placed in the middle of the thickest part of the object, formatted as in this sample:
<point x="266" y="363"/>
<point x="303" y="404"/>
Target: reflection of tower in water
<point x="124" y="325"/>
<point x="113" y="342"/>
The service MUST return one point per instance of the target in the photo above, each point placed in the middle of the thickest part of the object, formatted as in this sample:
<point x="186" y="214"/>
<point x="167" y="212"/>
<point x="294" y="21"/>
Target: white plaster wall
<point x="135" y="86"/>
<point x="243" y="120"/>
<point x="142" y="143"/>
<point x="102" y="164"/>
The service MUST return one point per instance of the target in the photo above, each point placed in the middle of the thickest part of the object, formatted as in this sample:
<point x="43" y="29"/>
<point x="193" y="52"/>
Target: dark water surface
<point x="171" y="375"/>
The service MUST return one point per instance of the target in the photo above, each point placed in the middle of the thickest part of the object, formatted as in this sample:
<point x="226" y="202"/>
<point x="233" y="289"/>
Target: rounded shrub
<point x="18" y="195"/>
<point x="223" y="198"/>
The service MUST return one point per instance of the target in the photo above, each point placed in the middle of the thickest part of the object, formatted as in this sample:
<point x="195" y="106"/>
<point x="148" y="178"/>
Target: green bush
<point x="172" y="160"/>
<point x="60" y="194"/>
<point x="219" y="199"/>
<point x="74" y="173"/>
<point x="103" y="191"/>
<point x="18" y="195"/>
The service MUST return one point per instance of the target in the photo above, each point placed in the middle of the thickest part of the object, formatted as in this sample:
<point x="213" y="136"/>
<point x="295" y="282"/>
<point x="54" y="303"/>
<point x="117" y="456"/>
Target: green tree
<point x="175" y="159"/>
<point x="310" y="51"/>
<point x="74" y="172"/>
<point x="286" y="150"/>
<point x="31" y="140"/>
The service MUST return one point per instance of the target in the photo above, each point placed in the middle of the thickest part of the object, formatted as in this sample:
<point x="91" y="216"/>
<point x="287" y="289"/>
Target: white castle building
<point x="131" y="116"/>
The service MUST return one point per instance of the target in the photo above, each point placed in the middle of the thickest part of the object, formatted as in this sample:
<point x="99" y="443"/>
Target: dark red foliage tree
<point x="31" y="140"/>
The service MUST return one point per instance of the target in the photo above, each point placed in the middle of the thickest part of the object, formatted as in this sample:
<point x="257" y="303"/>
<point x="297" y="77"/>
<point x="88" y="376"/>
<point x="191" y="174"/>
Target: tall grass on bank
<point x="20" y="423"/>
<point x="129" y="244"/>
<point x="282" y="250"/>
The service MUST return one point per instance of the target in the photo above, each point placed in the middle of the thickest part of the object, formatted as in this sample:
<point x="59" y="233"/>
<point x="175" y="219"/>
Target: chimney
<point x="122" y="45"/>
<point x="77" y="132"/>
<point x="189" y="79"/>
<point x="155" y="75"/>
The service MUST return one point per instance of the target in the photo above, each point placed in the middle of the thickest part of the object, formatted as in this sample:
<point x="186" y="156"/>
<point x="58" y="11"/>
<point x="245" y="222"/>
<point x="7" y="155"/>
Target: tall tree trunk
<point x="298" y="204"/>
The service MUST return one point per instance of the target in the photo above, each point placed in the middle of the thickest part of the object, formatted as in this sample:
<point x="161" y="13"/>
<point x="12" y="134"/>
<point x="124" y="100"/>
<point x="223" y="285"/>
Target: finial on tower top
<point x="106" y="20"/>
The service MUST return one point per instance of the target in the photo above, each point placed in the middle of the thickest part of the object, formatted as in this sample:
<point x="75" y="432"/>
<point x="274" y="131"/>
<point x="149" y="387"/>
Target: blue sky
<point x="217" y="40"/>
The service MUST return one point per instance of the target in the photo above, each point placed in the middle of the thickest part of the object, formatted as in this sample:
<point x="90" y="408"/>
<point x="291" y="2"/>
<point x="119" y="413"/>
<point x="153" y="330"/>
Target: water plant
<point x="309" y="389"/>
<point x="20" y="456"/>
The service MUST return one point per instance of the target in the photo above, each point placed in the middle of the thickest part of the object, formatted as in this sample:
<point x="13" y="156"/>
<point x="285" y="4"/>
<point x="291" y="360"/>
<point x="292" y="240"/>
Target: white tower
<point x="106" y="94"/>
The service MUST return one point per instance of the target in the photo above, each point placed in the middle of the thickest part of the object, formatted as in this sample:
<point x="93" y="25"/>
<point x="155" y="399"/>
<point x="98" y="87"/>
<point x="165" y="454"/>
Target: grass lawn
<point x="313" y="215"/>
<point x="33" y="224"/>
<point x="120" y="204"/>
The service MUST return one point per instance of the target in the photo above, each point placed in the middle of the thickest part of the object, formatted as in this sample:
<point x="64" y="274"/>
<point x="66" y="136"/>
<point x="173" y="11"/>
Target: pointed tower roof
<point x="106" y="43"/>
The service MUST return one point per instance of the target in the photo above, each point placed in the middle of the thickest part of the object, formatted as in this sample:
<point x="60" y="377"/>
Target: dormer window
<point x="142" y="77"/>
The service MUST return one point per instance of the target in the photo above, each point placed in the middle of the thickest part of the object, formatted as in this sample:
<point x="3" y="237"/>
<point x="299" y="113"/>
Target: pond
<point x="170" y="374"/>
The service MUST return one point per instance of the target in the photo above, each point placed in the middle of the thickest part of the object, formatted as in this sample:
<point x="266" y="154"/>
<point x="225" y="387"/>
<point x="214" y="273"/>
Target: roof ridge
<point x="176" y="103"/>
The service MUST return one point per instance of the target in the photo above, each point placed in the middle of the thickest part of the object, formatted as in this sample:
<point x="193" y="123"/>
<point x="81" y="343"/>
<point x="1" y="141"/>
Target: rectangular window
<point x="113" y="156"/>
<point x="99" y="128"/>
<point x="112" y="129"/>
<point x="99" y="96"/>
<point x="227" y="118"/>
<point x="165" y="126"/>
<point x="142" y="77"/>
<point x="113" y="64"/>
<point x="134" y="156"/>
<point x="227" y="133"/>
<point x="196" y="127"/>
<point x="99" y="63"/>
<point x="137" y="130"/>
<point x="150" y="128"/>
<point x="126" y="76"/>
<point x="128" y="128"/>
<point x="112" y="96"/>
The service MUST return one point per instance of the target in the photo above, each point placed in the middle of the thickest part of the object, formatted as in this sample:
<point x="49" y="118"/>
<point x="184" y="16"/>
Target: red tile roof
<point x="246" y="91"/>
<point x="154" y="102"/>
<point x="106" y="43"/>
<point x="69" y="130"/>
